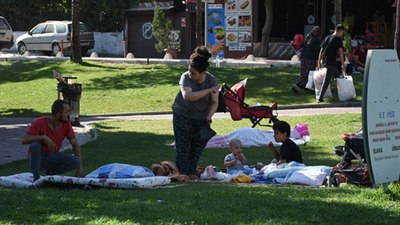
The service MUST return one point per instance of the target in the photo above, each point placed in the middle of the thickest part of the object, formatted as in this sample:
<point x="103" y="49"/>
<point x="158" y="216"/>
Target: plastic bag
<point x="319" y="77"/>
<point x="302" y="129"/>
<point x="310" y="81"/>
<point x="345" y="88"/>
<point x="210" y="174"/>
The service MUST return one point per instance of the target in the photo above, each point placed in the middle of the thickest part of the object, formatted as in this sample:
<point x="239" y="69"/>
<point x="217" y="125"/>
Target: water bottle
<point x="217" y="60"/>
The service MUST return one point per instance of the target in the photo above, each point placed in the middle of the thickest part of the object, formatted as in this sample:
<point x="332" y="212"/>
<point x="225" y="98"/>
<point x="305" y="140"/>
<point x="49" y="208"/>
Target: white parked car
<point x="6" y="34"/>
<point x="51" y="36"/>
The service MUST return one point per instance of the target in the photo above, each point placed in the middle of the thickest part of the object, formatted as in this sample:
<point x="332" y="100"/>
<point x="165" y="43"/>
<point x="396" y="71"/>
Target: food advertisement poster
<point x="238" y="20"/>
<point x="216" y="30"/>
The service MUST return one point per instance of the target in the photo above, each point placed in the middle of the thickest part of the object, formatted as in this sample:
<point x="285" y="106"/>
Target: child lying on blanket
<point x="235" y="161"/>
<point x="289" y="151"/>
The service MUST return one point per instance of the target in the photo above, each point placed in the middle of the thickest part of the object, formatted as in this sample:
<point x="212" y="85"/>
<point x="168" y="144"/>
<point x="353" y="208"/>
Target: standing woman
<point x="193" y="109"/>
<point x="308" y="58"/>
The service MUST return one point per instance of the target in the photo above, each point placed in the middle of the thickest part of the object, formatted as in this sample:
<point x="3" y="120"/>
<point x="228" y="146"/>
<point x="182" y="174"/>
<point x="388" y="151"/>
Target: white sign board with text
<point x="381" y="115"/>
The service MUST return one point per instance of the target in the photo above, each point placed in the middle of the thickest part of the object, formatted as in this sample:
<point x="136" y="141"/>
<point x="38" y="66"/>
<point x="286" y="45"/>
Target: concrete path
<point x="12" y="129"/>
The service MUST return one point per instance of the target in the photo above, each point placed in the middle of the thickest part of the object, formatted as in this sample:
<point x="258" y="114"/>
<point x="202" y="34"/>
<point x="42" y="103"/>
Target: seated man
<point x="45" y="136"/>
<point x="360" y="56"/>
<point x="289" y="150"/>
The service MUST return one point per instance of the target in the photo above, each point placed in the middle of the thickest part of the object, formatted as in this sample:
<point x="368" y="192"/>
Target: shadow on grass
<point x="23" y="71"/>
<point x="21" y="113"/>
<point x="202" y="203"/>
<point x="197" y="204"/>
<point x="133" y="148"/>
<point x="144" y="76"/>
<point x="126" y="147"/>
<point x="314" y="155"/>
<point x="98" y="65"/>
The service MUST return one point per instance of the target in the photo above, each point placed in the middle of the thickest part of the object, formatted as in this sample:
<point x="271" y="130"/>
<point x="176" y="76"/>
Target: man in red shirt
<point x="360" y="56"/>
<point x="45" y="136"/>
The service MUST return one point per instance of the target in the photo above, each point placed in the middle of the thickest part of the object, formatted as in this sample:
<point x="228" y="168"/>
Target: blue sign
<point x="216" y="30"/>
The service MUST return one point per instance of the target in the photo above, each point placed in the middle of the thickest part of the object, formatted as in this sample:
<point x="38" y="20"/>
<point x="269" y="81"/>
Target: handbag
<point x="206" y="133"/>
<point x="345" y="88"/>
<point x="319" y="77"/>
<point x="310" y="81"/>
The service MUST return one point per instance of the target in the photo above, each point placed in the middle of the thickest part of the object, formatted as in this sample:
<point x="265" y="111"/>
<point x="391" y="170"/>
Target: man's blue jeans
<point x="52" y="163"/>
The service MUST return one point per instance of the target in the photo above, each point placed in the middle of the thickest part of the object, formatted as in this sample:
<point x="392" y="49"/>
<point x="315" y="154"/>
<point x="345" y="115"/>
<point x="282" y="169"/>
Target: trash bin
<point x="71" y="93"/>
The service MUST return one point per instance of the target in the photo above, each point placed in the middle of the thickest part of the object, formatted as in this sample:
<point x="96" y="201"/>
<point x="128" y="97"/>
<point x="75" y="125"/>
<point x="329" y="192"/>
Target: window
<point x="60" y="28"/>
<point x="38" y="29"/>
<point x="49" y="29"/>
<point x="82" y="28"/>
<point x="3" y="25"/>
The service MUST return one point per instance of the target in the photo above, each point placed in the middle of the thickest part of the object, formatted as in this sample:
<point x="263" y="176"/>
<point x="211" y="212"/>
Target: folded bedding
<point x="114" y="175"/>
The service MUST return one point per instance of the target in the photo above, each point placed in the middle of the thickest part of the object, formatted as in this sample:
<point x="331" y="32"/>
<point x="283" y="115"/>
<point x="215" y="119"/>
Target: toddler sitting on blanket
<point x="235" y="161"/>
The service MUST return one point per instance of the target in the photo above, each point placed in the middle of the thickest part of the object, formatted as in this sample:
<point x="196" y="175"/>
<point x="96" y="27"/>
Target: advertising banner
<point x="216" y="30"/>
<point x="381" y="115"/>
<point x="238" y="20"/>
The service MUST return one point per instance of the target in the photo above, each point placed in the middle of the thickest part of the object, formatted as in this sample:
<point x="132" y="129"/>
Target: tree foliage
<point x="101" y="15"/>
<point x="162" y="28"/>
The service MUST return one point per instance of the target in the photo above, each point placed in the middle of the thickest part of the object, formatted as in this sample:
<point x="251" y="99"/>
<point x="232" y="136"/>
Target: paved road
<point x="12" y="129"/>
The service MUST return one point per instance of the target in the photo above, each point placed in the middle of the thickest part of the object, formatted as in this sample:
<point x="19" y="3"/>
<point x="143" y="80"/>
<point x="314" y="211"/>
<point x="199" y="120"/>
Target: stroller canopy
<point x="234" y="101"/>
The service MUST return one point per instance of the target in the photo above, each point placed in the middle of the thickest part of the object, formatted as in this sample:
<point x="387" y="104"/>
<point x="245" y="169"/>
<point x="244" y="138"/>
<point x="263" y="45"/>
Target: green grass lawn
<point x="27" y="88"/>
<point x="142" y="143"/>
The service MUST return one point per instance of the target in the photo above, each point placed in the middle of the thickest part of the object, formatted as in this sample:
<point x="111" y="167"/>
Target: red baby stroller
<point x="346" y="171"/>
<point x="233" y="101"/>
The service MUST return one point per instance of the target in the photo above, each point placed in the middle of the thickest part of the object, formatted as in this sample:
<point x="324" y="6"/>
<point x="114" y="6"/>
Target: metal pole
<point x="205" y="23"/>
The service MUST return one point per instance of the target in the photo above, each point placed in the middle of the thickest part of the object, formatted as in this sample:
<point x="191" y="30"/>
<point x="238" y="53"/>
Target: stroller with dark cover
<point x="352" y="167"/>
<point x="232" y="99"/>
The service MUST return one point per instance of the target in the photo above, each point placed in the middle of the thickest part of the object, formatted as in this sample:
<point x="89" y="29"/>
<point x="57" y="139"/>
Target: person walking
<point x="308" y="58"/>
<point x="331" y="49"/>
<point x="193" y="108"/>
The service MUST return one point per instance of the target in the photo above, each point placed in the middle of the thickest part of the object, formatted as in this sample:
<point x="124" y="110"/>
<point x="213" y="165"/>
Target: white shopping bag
<point x="345" y="88"/>
<point x="310" y="81"/>
<point x="319" y="77"/>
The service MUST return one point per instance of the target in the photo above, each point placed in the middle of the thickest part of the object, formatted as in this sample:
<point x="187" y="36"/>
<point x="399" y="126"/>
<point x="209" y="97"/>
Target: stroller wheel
<point x="334" y="179"/>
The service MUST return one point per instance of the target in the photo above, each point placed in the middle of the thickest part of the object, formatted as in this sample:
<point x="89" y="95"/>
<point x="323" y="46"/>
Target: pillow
<point x="306" y="177"/>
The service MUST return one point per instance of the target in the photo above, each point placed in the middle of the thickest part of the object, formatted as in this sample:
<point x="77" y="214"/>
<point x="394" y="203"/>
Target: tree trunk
<point x="76" y="55"/>
<point x="397" y="32"/>
<point x="199" y="23"/>
<point x="338" y="11"/>
<point x="266" y="31"/>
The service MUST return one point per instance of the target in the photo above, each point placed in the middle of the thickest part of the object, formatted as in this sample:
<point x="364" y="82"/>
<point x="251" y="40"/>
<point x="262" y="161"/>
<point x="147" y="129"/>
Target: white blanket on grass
<point x="252" y="137"/>
<point x="25" y="180"/>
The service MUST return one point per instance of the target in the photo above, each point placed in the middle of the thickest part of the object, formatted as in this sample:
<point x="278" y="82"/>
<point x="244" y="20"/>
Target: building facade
<point x="243" y="20"/>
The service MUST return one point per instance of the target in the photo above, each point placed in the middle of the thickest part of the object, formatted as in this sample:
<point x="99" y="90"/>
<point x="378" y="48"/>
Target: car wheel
<point x="22" y="48"/>
<point x="55" y="48"/>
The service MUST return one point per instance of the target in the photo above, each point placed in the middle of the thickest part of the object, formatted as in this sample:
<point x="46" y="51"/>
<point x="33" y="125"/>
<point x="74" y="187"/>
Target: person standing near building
<point x="308" y="58"/>
<point x="331" y="49"/>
